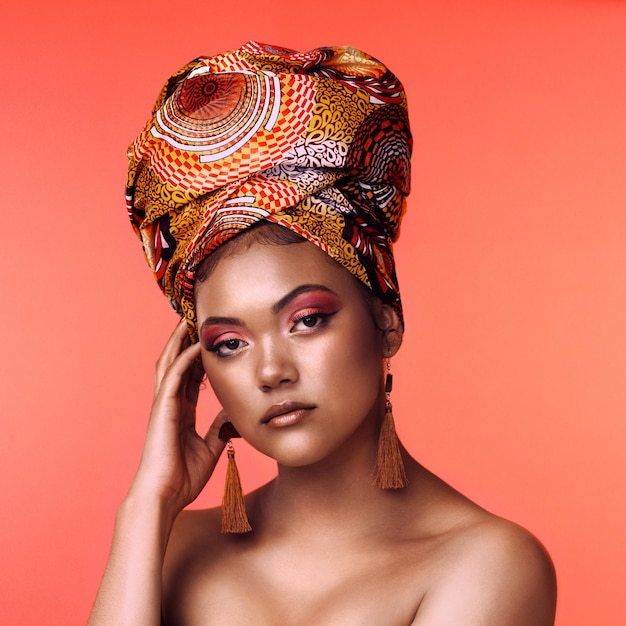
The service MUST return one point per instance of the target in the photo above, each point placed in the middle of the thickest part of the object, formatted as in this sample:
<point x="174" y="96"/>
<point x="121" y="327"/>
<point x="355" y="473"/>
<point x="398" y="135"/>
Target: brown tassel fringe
<point x="234" y="518"/>
<point x="389" y="472"/>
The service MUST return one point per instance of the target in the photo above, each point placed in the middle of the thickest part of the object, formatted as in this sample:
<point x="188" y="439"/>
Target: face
<point x="292" y="352"/>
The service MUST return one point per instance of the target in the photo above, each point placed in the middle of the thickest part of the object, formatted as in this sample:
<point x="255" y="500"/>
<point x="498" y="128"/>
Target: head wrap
<point x="317" y="142"/>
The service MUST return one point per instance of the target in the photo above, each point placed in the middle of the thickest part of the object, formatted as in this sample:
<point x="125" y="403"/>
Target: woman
<point x="267" y="189"/>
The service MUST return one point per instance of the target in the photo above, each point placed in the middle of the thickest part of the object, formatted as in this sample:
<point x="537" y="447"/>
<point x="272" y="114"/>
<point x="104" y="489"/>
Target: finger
<point x="228" y="431"/>
<point x="176" y="376"/>
<point x="194" y="380"/>
<point x="176" y="343"/>
<point x="213" y="442"/>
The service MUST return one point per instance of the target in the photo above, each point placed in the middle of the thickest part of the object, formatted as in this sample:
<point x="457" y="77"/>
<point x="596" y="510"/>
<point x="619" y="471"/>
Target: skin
<point x="285" y="323"/>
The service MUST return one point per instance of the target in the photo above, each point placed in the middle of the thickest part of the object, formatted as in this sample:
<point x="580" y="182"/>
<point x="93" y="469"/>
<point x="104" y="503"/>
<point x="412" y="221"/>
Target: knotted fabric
<point x="317" y="142"/>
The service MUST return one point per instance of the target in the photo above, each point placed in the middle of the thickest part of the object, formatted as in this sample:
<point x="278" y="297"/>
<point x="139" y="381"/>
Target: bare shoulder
<point x="192" y="534"/>
<point x="193" y="526"/>
<point x="495" y="573"/>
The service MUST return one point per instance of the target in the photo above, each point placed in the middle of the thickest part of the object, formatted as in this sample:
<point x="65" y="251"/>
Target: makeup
<point x="286" y="413"/>
<point x="220" y="339"/>
<point x="310" y="311"/>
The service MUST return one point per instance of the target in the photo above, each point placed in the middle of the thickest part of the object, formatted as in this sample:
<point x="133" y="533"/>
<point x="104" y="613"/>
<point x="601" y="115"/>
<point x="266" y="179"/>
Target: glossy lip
<point x="286" y="413"/>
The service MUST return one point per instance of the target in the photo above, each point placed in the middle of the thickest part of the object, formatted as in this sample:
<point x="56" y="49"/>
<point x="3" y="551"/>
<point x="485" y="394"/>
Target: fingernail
<point x="228" y="431"/>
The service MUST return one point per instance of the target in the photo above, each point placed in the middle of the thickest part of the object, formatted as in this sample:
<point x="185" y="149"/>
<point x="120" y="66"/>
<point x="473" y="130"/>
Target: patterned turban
<point x="317" y="142"/>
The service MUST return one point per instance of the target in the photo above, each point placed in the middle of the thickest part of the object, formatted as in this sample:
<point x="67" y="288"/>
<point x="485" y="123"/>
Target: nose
<point x="276" y="365"/>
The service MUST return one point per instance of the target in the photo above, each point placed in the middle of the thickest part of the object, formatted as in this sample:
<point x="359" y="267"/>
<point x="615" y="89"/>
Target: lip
<point x="286" y="413"/>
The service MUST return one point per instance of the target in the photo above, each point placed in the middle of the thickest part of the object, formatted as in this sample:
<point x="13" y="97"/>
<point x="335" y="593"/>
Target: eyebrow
<point x="276" y="308"/>
<point x="221" y="321"/>
<point x="294" y="293"/>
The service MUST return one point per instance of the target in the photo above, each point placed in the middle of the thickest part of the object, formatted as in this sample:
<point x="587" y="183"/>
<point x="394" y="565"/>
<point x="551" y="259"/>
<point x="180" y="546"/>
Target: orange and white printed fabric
<point x="317" y="141"/>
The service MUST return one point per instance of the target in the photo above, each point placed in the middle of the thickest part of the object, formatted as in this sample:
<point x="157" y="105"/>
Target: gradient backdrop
<point x="513" y="266"/>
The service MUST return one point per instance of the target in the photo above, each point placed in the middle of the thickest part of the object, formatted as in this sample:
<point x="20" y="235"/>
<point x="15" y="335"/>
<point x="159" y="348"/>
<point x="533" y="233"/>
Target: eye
<point x="310" y="321"/>
<point x="227" y="347"/>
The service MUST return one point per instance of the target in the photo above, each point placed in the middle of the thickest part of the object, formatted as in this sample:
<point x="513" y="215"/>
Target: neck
<point x="335" y="495"/>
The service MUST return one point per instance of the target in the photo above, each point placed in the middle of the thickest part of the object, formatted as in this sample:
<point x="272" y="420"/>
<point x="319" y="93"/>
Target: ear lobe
<point x="391" y="327"/>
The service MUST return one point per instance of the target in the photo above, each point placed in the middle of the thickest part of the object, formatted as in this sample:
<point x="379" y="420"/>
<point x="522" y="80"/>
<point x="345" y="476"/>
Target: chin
<point x="296" y="449"/>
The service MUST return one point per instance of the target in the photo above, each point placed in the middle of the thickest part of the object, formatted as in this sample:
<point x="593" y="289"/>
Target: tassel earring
<point x="389" y="472"/>
<point x="234" y="518"/>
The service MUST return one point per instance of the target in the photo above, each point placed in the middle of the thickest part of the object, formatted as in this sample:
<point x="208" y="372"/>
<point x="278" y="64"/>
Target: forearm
<point x="175" y="465"/>
<point x="130" y="591"/>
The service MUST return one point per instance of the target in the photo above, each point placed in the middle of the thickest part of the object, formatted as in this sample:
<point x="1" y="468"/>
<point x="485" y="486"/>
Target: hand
<point x="177" y="462"/>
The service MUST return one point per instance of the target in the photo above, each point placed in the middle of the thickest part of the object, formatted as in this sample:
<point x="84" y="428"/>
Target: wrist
<point x="148" y="513"/>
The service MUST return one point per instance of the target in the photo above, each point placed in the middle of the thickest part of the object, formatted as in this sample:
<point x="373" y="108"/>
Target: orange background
<point x="510" y="384"/>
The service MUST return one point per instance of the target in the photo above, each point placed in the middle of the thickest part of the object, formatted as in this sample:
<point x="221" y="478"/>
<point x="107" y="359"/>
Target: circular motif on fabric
<point x="219" y="127"/>
<point x="316" y="141"/>
<point x="206" y="100"/>
<point x="215" y="114"/>
<point x="381" y="149"/>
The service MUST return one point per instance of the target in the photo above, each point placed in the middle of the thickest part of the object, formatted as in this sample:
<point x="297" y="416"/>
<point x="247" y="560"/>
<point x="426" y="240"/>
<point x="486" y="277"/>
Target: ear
<point x="390" y="325"/>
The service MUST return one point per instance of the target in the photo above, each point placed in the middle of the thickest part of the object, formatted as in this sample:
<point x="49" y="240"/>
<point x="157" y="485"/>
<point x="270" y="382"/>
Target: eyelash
<point x="320" y="318"/>
<point x="316" y="315"/>
<point x="220" y="344"/>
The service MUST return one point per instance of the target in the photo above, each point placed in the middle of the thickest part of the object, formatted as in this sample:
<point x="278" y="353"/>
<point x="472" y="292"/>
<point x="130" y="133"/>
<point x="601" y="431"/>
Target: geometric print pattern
<point x="317" y="141"/>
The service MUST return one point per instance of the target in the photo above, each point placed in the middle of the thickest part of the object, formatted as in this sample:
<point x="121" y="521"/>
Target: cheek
<point x="351" y="362"/>
<point x="228" y="385"/>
